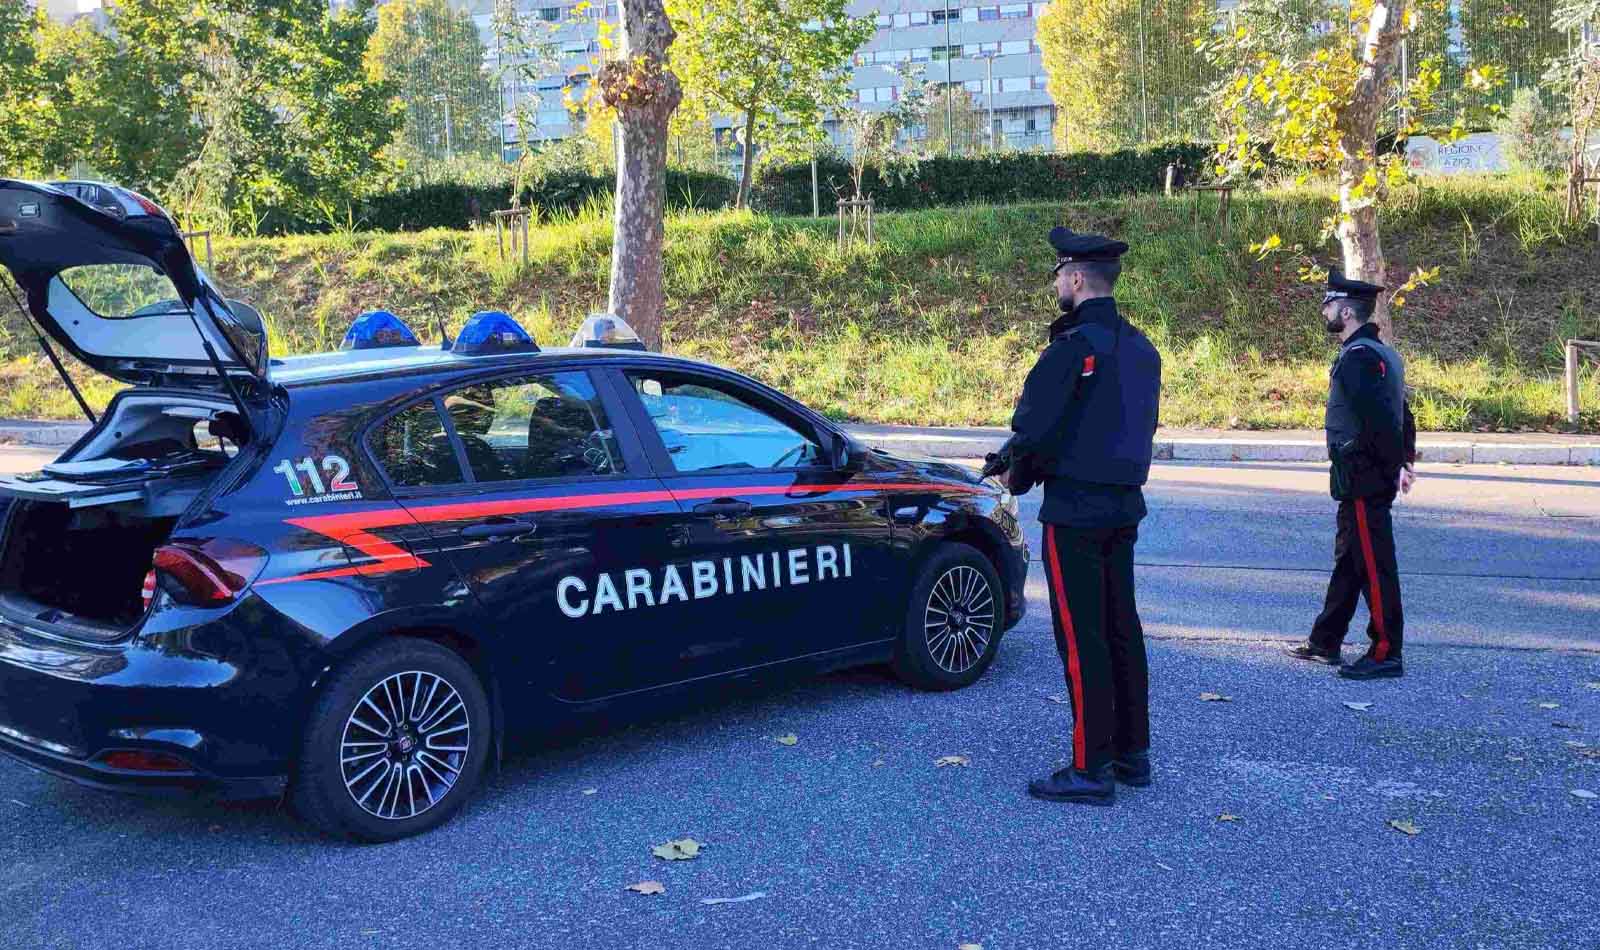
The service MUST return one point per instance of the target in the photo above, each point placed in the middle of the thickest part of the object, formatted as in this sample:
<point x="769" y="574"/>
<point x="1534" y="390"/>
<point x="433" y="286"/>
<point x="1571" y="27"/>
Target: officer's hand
<point x="1408" y="477"/>
<point x="994" y="464"/>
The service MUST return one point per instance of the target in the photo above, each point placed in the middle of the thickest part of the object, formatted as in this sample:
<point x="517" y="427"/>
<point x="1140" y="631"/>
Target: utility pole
<point x="449" y="149"/>
<point x="949" y="114"/>
<point x="988" y="93"/>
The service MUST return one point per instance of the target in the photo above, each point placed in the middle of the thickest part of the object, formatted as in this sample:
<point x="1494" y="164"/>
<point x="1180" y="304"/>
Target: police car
<point x="348" y="578"/>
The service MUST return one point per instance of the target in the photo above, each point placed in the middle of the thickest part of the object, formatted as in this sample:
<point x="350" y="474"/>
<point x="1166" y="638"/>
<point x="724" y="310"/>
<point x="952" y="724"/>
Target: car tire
<point x="395" y="744"/>
<point x="953" y="620"/>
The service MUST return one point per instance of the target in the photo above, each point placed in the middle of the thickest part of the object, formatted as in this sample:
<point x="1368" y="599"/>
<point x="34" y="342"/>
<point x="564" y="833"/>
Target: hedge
<point x="996" y="179"/>
<point x="452" y="205"/>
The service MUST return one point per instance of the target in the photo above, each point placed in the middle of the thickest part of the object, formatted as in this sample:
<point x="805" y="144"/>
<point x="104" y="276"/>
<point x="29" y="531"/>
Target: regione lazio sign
<point x="1478" y="152"/>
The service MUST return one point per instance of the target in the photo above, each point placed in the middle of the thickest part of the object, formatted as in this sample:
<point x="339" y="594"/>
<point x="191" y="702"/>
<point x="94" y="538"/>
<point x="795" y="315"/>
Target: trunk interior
<point x="80" y="535"/>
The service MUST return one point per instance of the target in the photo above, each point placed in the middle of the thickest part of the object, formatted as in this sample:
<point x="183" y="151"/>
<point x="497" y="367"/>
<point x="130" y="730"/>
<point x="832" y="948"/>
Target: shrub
<point x="1530" y="133"/>
<point x="988" y="179"/>
<point x="456" y="204"/>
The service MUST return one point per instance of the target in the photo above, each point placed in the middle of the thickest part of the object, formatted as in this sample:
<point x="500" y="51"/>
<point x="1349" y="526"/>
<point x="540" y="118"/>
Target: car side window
<point x="414" y="449"/>
<point x="550" y="425"/>
<point x="708" y="428"/>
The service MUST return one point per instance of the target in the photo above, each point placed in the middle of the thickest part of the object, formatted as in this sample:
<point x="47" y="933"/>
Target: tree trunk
<point x="644" y="93"/>
<point x="1358" y="140"/>
<point x="749" y="167"/>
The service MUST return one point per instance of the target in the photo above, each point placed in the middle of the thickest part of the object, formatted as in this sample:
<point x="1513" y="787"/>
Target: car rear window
<point x="122" y="291"/>
<point x="414" y="450"/>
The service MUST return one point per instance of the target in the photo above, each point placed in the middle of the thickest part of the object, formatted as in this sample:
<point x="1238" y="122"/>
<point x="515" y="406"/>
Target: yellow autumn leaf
<point x="680" y="849"/>
<point x="1405" y="827"/>
<point x="647" y="887"/>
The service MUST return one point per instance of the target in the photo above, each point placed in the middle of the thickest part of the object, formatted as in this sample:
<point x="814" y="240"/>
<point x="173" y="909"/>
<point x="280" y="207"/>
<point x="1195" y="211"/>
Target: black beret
<point x="1071" y="246"/>
<point x="1341" y="286"/>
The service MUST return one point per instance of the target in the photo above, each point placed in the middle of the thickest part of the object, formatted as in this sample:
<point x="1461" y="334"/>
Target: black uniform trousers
<point x="1364" y="565"/>
<point x="1090" y="573"/>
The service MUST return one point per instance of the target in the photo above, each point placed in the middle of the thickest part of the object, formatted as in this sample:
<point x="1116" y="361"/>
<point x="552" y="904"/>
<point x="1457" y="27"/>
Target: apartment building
<point x="987" y="49"/>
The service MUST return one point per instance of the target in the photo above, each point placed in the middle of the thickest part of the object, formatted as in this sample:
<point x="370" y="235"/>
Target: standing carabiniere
<point x="1372" y="448"/>
<point x="1085" y="427"/>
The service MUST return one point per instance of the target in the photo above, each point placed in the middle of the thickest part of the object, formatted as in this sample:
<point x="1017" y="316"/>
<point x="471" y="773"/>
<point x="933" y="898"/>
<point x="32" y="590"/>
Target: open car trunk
<point x="80" y="534"/>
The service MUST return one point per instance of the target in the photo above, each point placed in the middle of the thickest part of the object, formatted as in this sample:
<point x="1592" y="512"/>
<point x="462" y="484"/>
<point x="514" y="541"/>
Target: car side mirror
<point x="836" y="450"/>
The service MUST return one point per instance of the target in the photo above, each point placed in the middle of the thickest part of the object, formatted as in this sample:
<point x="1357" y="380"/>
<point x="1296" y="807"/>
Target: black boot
<point x="1093" y="787"/>
<point x="1367" y="668"/>
<point x="1132" y="768"/>
<point x="1310" y="651"/>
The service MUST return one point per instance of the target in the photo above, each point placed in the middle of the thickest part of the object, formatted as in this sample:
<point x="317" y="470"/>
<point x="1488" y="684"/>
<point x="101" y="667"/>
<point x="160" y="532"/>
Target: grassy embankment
<point x="939" y="321"/>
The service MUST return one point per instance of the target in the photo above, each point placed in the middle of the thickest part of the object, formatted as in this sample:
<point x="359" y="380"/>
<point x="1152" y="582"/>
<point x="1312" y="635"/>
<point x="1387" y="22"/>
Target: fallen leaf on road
<point x="1059" y="699"/>
<point x="681" y="849"/>
<point x="945" y="760"/>
<point x="1587" y="752"/>
<point x="1549" y="705"/>
<point x="969" y="946"/>
<point x="877" y="763"/>
<point x="1593" y="684"/>
<point x="1227" y="817"/>
<point x="1164" y="867"/>
<point x="1584" y="793"/>
<point x="1409" y="829"/>
<point x="590" y="791"/>
<point x="1358" y="707"/>
<point x="1215" y="698"/>
<point x="755" y="896"/>
<point x="1513" y="758"/>
<point x="789" y="739"/>
<point x="1558" y="724"/>
<point x="19" y="804"/>
<point x="648" y="887"/>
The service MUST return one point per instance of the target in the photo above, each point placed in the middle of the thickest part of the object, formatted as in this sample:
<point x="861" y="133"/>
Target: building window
<point x="973" y="85"/>
<point x="1014" y="47"/>
<point x="902" y="19"/>
<point x="885" y="20"/>
<point x="550" y="14"/>
<point x="1014" y="84"/>
<point x="985" y="14"/>
<point x="1013" y="11"/>
<point x="918" y="17"/>
<point x="969" y="14"/>
<point x="946" y="16"/>
<point x="1039" y="82"/>
<point x="611" y="11"/>
<point x="922" y="54"/>
<point x="1033" y="125"/>
<point x="575" y="46"/>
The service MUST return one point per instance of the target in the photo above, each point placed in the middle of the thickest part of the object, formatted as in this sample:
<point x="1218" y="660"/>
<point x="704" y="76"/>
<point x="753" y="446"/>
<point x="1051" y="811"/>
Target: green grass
<point x="939" y="320"/>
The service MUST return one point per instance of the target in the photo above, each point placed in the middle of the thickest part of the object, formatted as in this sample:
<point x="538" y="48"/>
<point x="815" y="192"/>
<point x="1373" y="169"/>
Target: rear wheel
<point x="952" y="624"/>
<point x="396" y="743"/>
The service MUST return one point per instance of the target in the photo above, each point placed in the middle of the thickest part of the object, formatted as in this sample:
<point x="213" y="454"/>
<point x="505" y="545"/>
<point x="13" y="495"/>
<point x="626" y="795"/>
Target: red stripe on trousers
<point x="1059" y="591"/>
<point x="1380" y="651"/>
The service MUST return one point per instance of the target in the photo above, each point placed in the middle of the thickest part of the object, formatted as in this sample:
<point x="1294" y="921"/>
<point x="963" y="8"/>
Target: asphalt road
<point x="857" y="839"/>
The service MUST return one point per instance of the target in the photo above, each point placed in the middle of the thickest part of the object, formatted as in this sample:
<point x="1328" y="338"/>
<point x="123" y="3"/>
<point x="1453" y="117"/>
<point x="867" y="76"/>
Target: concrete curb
<point x="929" y="443"/>
<point x="975" y="443"/>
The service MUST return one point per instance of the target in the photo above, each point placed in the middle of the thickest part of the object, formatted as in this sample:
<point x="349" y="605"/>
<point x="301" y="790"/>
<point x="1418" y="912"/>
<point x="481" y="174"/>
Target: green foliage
<point x="27" y="112"/>
<point x="1530" y="132"/>
<point x="775" y="64"/>
<point x="552" y="195"/>
<point x="432" y="58"/>
<point x="1001" y="178"/>
<point x="1126" y="71"/>
<point x="222" y="109"/>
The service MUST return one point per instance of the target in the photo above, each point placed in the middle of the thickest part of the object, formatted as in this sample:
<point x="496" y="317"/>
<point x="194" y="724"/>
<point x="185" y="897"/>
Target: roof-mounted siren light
<point x="491" y="331"/>
<point x="377" y="328"/>
<point x="607" y="330"/>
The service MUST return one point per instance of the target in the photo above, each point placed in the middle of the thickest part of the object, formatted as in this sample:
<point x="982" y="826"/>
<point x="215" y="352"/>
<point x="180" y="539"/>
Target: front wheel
<point x="952" y="624"/>
<point x="395" y="744"/>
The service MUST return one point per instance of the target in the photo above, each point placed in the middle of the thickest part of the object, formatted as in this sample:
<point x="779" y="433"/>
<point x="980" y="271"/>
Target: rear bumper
<point x="223" y="698"/>
<point x="179" y="784"/>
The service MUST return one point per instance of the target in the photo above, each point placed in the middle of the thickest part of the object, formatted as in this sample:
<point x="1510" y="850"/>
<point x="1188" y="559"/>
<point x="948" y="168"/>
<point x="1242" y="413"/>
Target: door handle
<point x="723" y="506"/>
<point x="499" y="528"/>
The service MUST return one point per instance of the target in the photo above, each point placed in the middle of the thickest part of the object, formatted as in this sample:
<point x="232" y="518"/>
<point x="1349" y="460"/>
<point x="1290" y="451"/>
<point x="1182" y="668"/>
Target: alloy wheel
<point x="405" y="744"/>
<point x="959" y="619"/>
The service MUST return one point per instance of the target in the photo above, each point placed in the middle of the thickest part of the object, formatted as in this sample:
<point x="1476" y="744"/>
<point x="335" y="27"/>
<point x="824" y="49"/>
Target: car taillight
<point x="147" y="593"/>
<point x="140" y="760"/>
<point x="207" y="571"/>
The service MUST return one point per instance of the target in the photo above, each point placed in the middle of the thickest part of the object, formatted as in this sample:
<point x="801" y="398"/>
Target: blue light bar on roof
<point x="377" y="328"/>
<point x="491" y="331"/>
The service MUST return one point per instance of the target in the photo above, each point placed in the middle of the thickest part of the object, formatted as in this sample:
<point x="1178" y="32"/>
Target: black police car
<point x="348" y="577"/>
